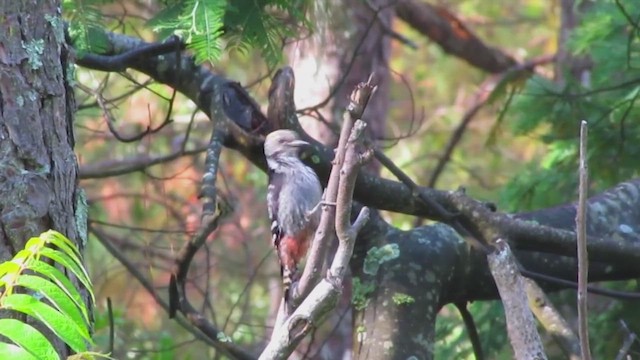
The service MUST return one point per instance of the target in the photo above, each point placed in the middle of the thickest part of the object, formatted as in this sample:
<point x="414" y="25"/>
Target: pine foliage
<point x="606" y="94"/>
<point x="209" y="27"/>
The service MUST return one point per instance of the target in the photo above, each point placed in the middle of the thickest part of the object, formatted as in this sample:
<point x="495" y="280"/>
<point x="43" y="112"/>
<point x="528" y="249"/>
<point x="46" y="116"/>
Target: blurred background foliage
<point x="520" y="151"/>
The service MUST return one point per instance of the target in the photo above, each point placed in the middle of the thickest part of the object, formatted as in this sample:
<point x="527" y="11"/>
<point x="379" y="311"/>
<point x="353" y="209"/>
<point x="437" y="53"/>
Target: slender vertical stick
<point x="581" y="231"/>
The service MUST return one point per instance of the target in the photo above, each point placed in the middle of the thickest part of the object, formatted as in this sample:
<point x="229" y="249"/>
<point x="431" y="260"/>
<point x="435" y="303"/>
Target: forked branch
<point x="322" y="298"/>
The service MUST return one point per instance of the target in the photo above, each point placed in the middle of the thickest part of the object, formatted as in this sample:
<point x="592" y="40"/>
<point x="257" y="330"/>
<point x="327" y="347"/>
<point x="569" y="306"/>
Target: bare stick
<point x="325" y="294"/>
<point x="324" y="234"/>
<point x="626" y="346"/>
<point x="583" y="261"/>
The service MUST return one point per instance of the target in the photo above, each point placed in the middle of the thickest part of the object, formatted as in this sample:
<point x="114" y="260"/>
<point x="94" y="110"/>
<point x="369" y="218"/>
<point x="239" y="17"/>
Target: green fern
<point x="31" y="286"/>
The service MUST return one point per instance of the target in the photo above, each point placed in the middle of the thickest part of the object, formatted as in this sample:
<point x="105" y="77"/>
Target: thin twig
<point x="110" y="168"/>
<point x="472" y="330"/>
<point x="629" y="340"/>
<point x="229" y="349"/>
<point x="583" y="261"/>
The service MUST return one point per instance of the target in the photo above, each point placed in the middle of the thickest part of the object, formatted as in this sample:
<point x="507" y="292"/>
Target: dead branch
<point x="583" y="260"/>
<point x="322" y="298"/>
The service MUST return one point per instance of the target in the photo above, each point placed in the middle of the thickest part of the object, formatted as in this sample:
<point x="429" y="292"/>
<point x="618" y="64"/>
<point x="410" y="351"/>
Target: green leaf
<point x="58" y="298"/>
<point x="34" y="244"/>
<point x="58" y="323"/>
<point x="68" y="248"/>
<point x="63" y="282"/>
<point x="206" y="28"/>
<point x="59" y="240"/>
<point x="64" y="260"/>
<point x="85" y="25"/>
<point x="166" y="21"/>
<point x="14" y="352"/>
<point x="8" y="267"/>
<point x="22" y="254"/>
<point x="36" y="345"/>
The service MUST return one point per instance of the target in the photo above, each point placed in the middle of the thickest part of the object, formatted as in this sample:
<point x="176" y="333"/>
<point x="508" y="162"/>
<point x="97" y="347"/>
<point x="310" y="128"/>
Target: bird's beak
<point x="299" y="143"/>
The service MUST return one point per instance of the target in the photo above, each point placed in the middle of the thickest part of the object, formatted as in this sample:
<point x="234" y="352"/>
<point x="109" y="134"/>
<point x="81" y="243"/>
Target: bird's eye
<point x="281" y="141"/>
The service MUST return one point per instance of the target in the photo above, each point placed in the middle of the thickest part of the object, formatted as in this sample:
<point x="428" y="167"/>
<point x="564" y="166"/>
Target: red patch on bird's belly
<point x="295" y="248"/>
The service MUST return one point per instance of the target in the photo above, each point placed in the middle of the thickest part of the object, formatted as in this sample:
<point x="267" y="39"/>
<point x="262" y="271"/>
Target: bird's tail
<point x="288" y="274"/>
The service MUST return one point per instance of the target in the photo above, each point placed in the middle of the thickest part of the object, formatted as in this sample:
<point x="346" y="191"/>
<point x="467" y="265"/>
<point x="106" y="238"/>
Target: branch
<point x="323" y="297"/>
<point x="123" y="60"/>
<point x="583" y="261"/>
<point x="521" y="326"/>
<point x="472" y="330"/>
<point x="109" y="168"/>
<point x="208" y="190"/>
<point x="445" y="29"/>
<point x="228" y="348"/>
<point x="483" y="96"/>
<point x="549" y="317"/>
<point x="210" y="219"/>
<point x="359" y="99"/>
<point x="628" y="342"/>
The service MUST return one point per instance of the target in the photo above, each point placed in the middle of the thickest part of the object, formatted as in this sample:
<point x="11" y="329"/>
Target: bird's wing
<point x="273" y="194"/>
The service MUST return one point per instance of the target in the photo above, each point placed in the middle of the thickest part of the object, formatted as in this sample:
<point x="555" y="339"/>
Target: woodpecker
<point x="293" y="193"/>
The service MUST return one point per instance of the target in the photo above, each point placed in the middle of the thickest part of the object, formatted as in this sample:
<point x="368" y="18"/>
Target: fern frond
<point x="63" y="312"/>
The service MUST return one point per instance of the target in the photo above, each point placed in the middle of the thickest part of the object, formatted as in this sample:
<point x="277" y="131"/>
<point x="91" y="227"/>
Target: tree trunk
<point x="38" y="182"/>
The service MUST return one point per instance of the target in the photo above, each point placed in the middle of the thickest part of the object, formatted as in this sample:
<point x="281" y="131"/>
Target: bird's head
<point x="283" y="144"/>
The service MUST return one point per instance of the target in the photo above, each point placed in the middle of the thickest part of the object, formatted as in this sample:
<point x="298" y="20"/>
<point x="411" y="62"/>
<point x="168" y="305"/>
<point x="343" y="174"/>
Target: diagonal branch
<point x="445" y="29"/>
<point x="177" y="287"/>
<point x="203" y="334"/>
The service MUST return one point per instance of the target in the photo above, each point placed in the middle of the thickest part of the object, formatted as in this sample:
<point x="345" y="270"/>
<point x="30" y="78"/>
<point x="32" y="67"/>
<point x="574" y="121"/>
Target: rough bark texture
<point x="38" y="168"/>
